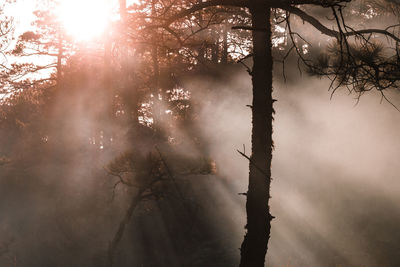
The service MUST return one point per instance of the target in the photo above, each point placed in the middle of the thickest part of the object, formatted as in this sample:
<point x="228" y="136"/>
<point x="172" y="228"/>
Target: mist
<point x="335" y="189"/>
<point x="131" y="153"/>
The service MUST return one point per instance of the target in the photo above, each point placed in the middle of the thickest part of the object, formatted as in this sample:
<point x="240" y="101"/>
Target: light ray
<point x="84" y="19"/>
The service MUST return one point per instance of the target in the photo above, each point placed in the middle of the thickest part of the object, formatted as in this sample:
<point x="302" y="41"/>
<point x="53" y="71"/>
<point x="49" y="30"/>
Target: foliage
<point x="364" y="68"/>
<point x="123" y="99"/>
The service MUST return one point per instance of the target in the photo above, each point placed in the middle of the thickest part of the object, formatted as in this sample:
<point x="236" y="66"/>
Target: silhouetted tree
<point x="258" y="226"/>
<point x="156" y="42"/>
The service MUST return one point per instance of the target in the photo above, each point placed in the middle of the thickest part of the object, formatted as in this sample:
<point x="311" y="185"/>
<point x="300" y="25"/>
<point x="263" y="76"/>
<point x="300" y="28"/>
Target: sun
<point x="84" y="20"/>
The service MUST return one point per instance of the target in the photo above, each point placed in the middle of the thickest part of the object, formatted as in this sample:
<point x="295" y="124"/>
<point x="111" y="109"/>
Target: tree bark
<point x="59" y="59"/>
<point x="112" y="247"/>
<point x="224" y="54"/>
<point x="255" y="244"/>
<point x="129" y="92"/>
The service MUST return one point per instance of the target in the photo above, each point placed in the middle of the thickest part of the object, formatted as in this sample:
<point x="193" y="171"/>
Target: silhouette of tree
<point x="6" y="30"/>
<point x="349" y="68"/>
<point x="40" y="52"/>
<point x="154" y="44"/>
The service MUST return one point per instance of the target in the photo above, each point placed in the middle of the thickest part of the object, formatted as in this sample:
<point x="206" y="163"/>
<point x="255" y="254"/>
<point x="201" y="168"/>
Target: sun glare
<point x="84" y="19"/>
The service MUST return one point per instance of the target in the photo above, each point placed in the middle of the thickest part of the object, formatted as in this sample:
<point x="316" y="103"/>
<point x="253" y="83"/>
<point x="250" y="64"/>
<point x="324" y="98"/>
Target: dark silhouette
<point x="119" y="114"/>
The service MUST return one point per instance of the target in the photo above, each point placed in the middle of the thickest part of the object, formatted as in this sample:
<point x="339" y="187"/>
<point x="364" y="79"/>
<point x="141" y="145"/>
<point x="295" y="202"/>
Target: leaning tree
<point x="356" y="61"/>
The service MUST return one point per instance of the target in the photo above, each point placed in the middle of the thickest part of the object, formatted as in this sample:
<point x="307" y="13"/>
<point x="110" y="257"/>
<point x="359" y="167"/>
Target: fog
<point x="335" y="189"/>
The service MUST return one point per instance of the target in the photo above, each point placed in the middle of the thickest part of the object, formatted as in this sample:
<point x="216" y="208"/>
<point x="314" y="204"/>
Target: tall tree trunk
<point x="202" y="50"/>
<point x="107" y="59"/>
<point x="224" y="54"/>
<point x="122" y="10"/>
<point x="59" y="59"/>
<point x="255" y="244"/>
<point x="112" y="246"/>
<point x="129" y="89"/>
<point x="157" y="111"/>
<point x="214" y="45"/>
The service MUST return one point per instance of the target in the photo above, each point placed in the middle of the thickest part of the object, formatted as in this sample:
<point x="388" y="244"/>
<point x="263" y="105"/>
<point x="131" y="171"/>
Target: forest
<point x="199" y="133"/>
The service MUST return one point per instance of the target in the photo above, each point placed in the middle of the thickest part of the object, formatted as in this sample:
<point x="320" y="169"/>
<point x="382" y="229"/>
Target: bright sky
<point x="21" y="11"/>
<point x="82" y="19"/>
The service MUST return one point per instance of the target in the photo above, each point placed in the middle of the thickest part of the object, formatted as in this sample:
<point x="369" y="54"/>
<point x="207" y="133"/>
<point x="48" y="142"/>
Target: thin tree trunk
<point x="129" y="90"/>
<point x="255" y="244"/>
<point x="214" y="45"/>
<point x="122" y="10"/>
<point x="224" y="55"/>
<point x="59" y="59"/>
<point x="107" y="59"/>
<point x="120" y="232"/>
<point x="202" y="50"/>
<point x="157" y="112"/>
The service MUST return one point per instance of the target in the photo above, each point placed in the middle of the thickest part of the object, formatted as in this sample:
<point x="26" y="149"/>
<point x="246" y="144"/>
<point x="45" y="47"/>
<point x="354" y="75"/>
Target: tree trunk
<point x="214" y="45"/>
<point x="202" y="50"/>
<point x="59" y="59"/>
<point x="255" y="244"/>
<point x="224" y="54"/>
<point x="112" y="247"/>
<point x="129" y="89"/>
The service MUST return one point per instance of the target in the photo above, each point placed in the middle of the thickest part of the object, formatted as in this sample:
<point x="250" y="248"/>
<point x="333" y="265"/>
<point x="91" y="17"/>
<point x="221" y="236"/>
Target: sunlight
<point x="84" y="19"/>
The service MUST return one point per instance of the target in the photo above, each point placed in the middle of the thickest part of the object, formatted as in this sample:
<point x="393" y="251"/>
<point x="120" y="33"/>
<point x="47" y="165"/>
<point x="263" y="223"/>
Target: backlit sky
<point x="83" y="19"/>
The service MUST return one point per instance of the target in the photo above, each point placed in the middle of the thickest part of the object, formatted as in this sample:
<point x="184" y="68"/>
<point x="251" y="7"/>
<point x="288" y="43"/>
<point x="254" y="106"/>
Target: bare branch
<point x="336" y="34"/>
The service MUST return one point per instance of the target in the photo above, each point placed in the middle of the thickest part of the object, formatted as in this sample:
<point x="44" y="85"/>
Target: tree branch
<point x="336" y="34"/>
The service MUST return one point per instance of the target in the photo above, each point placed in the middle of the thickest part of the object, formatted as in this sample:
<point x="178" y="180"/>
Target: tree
<point x="6" y="34"/>
<point x="168" y="36"/>
<point x="42" y="51"/>
<point x="6" y="30"/>
<point x="346" y="69"/>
